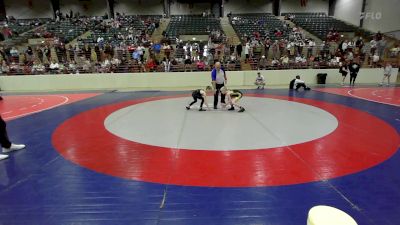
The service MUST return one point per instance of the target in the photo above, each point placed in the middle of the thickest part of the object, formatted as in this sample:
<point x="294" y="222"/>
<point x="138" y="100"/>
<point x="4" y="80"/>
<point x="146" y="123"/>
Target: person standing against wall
<point x="218" y="80"/>
<point x="344" y="70"/>
<point x="387" y="71"/>
<point x="354" y="68"/>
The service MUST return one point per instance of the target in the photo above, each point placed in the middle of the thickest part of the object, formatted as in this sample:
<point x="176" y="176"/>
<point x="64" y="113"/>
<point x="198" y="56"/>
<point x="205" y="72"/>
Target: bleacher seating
<point x="191" y="24"/>
<point x="67" y="30"/>
<point x="20" y="29"/>
<point x="246" y="25"/>
<point x="319" y="24"/>
<point x="138" y="24"/>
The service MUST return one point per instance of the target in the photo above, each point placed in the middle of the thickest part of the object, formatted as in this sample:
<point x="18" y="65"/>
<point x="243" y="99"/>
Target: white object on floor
<point x="327" y="215"/>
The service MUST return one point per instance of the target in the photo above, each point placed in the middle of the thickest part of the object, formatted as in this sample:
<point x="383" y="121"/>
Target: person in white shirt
<point x="37" y="67"/>
<point x="106" y="63"/>
<point x="375" y="59"/>
<point x="54" y="67"/>
<point x="298" y="83"/>
<point x="285" y="60"/>
<point x="394" y="52"/>
<point x="274" y="62"/>
<point x="14" y="52"/>
<point x="247" y="51"/>
<point x="373" y="44"/>
<point x="386" y="73"/>
<point x="350" y="55"/>
<point x="311" y="46"/>
<point x="141" y="50"/>
<point x="115" y="61"/>
<point x="344" y="46"/>
<point x="218" y="80"/>
<point x="298" y="59"/>
<point x="72" y="67"/>
<point x="260" y="81"/>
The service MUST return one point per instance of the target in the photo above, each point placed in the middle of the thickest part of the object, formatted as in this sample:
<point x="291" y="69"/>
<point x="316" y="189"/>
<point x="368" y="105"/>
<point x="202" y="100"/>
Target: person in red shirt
<point x="151" y="65"/>
<point x="200" y="65"/>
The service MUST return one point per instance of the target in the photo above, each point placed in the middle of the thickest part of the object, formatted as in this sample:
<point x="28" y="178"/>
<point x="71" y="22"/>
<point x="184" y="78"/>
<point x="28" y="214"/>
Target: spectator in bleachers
<point x="105" y="66"/>
<point x="275" y="47"/>
<point x="38" y="68"/>
<point x="85" y="66"/>
<point x="262" y="64"/>
<point x="54" y="67"/>
<point x="247" y="51"/>
<point x="115" y="61"/>
<point x="343" y="46"/>
<point x="359" y="43"/>
<point x="310" y="47"/>
<point x="29" y="54"/>
<point x="274" y="62"/>
<point x="200" y="65"/>
<point x="2" y="54"/>
<point x="394" y="52"/>
<point x="151" y="65"/>
<point x="5" y="69"/>
<point x="14" y="52"/>
<point x="157" y="48"/>
<point x="284" y="60"/>
<point x="267" y="44"/>
<point x="188" y="60"/>
<point x="378" y="36"/>
<point x="14" y="68"/>
<point x="349" y="55"/>
<point x="300" y="59"/>
<point x="375" y="60"/>
<point x="381" y="46"/>
<point x="72" y="67"/>
<point x="239" y="49"/>
<point x="278" y="33"/>
<point x="282" y="46"/>
<point x="290" y="49"/>
<point x="167" y="64"/>
<point x="136" y="55"/>
<point x="373" y="45"/>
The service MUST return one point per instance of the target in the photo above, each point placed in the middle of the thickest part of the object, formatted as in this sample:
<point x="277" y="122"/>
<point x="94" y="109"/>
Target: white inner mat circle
<point x="266" y="123"/>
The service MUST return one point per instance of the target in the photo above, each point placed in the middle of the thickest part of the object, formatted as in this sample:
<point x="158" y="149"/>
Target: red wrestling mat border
<point x="389" y="96"/>
<point x="13" y="107"/>
<point x="360" y="141"/>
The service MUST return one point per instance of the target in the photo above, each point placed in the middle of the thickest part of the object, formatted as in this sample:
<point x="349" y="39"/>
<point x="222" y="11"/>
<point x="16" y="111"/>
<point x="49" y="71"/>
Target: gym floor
<point x="141" y="158"/>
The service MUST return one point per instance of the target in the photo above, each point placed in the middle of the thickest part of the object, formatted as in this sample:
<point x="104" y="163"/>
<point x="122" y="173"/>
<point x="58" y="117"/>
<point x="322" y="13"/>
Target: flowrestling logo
<point x="371" y="15"/>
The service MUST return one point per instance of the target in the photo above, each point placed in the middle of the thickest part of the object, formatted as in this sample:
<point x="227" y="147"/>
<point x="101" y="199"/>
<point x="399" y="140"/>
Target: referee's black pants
<point x="216" y="95"/>
<point x="5" y="142"/>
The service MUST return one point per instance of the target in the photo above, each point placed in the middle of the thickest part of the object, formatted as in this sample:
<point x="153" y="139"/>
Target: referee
<point x="218" y="77"/>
